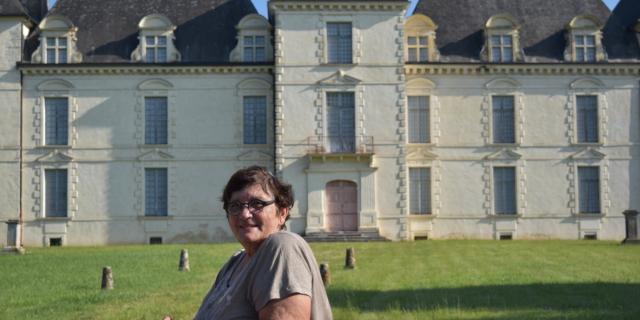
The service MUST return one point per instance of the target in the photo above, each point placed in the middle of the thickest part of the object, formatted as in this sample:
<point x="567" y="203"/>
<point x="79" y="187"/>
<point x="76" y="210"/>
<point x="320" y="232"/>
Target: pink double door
<point x="342" y="206"/>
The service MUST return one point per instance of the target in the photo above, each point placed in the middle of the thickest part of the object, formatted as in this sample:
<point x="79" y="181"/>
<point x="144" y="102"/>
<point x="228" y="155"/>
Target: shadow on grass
<point x="572" y="300"/>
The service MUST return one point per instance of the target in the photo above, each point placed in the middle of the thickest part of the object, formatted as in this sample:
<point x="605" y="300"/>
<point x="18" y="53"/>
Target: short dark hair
<point x="282" y="191"/>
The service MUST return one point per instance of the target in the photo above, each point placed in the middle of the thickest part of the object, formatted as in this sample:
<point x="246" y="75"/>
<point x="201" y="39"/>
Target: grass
<point x="404" y="280"/>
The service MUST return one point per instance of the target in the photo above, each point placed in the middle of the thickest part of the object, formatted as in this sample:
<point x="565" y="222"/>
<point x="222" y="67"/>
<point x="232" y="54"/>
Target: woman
<point x="276" y="275"/>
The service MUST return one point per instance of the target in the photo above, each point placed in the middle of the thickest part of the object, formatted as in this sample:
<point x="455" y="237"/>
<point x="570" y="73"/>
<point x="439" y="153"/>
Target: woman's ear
<point x="282" y="215"/>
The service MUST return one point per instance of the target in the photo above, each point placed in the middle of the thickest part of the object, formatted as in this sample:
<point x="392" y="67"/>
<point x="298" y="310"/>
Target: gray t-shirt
<point x="283" y="265"/>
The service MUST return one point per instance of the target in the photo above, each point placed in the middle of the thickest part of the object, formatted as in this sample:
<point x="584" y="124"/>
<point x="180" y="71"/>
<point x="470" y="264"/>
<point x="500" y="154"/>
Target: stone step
<point x="344" y="236"/>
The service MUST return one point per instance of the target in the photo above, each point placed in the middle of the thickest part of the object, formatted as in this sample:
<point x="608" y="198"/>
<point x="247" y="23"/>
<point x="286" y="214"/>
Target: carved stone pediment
<point x="54" y="156"/>
<point x="155" y="155"/>
<point x="339" y="78"/>
<point x="254" y="155"/>
<point x="420" y="154"/>
<point x="588" y="153"/>
<point x="504" y="154"/>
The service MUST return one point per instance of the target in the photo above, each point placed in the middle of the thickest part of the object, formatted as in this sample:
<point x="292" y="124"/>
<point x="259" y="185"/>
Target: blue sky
<point x="261" y="5"/>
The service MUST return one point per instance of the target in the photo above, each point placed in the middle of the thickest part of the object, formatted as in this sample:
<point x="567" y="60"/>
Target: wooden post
<point x="184" y="261"/>
<point x="325" y="274"/>
<point x="350" y="260"/>
<point x="107" y="278"/>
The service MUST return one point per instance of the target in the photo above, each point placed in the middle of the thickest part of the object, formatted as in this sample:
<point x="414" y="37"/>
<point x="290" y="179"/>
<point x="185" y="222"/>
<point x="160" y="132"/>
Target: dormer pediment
<point x="155" y="155"/>
<point x="339" y="78"/>
<point x="54" y="156"/>
<point x="588" y="154"/>
<point x="504" y="154"/>
<point x="254" y="155"/>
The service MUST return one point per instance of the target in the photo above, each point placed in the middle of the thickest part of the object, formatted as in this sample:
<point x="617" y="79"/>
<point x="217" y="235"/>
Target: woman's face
<point x="251" y="229"/>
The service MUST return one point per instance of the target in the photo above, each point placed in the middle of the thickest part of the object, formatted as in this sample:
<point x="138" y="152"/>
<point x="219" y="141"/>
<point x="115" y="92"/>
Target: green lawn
<point x="405" y="280"/>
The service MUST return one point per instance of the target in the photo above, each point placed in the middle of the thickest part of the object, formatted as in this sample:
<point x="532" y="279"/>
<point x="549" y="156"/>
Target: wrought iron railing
<point x="340" y="144"/>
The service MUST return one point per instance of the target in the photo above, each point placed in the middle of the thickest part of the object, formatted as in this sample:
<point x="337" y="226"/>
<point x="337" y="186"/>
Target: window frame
<point x="495" y="190"/>
<point x="346" y="146"/>
<point x="501" y="47"/>
<point x="56" y="49"/>
<point x="255" y="138"/>
<point x="155" y="140"/>
<point x="253" y="47"/>
<point x="62" y="194"/>
<point x="411" y="116"/>
<point x="155" y="47"/>
<point x="581" y="194"/>
<point x="46" y="125"/>
<point x="584" y="129"/>
<point x="338" y="47"/>
<point x="513" y="122"/>
<point x="423" y="184"/>
<point x="157" y="198"/>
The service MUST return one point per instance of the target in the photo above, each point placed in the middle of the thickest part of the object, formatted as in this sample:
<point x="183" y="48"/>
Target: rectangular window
<point x="341" y="122"/>
<point x="155" y="192"/>
<point x="254" y="49"/>
<point x="156" y="48"/>
<point x="255" y="119"/>
<point x="56" y="49"/>
<point x="155" y="120"/>
<point x="418" y="49"/>
<point x="339" y="43"/>
<point x="504" y="189"/>
<point x="501" y="48"/>
<point x="55" y="186"/>
<point x="56" y="121"/>
<point x="587" y="122"/>
<point x="503" y="119"/>
<point x="419" y="129"/>
<point x="589" y="189"/>
<point x="585" y="46"/>
<point x="420" y="190"/>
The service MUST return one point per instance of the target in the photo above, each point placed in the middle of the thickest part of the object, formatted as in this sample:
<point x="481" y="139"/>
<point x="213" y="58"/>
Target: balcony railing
<point x="340" y="144"/>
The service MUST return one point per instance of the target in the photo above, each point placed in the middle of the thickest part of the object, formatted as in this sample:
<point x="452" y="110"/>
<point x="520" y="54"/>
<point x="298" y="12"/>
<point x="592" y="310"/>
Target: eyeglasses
<point x="254" y="205"/>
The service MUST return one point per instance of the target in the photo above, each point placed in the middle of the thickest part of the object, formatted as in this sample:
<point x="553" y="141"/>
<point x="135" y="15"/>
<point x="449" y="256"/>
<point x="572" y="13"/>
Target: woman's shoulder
<point x="286" y="240"/>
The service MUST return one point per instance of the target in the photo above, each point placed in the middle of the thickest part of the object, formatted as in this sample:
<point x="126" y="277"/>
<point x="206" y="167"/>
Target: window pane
<point x="55" y="192"/>
<point x="495" y="40"/>
<point x="507" y="55"/>
<point x="156" y="192"/>
<point x="419" y="130"/>
<point x="155" y="120"/>
<point x="259" y="40"/>
<point x="589" y="189"/>
<point x="255" y="119"/>
<point x="420" y="190"/>
<point x="150" y="40"/>
<point x="51" y="56"/>
<point x="590" y="40"/>
<point x="503" y="119"/>
<point x="504" y="179"/>
<point x="341" y="121"/>
<point x="424" y="54"/>
<point x="260" y="55"/>
<point x="248" y="54"/>
<point x="162" y="55"/>
<point x="591" y="55"/>
<point x="412" y="41"/>
<point x="495" y="54"/>
<point x="413" y="55"/>
<point x="62" y="56"/>
<point x="579" y="40"/>
<point x="507" y="40"/>
<point x="62" y="42"/>
<point x="587" y="119"/>
<point x="248" y="41"/>
<point x="423" y="41"/>
<point x="339" y="42"/>
<point x="56" y="121"/>
<point x="51" y="42"/>
<point x="151" y="55"/>
<point x="162" y="41"/>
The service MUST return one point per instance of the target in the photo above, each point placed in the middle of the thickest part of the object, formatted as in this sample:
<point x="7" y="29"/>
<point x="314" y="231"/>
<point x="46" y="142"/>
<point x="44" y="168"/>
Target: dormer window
<point x="584" y="40"/>
<point x="502" y="40"/>
<point x="420" y="39"/>
<point x="57" y="42"/>
<point x="254" y="40"/>
<point x="254" y="49"/>
<point x="56" y="48"/>
<point x="156" y="41"/>
<point x="501" y="48"/>
<point x="156" y="48"/>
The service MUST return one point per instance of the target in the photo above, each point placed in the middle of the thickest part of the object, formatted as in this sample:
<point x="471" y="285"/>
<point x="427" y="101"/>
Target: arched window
<point x="502" y="40"/>
<point x="584" y="40"/>
<point x="156" y="40"/>
<point x="420" y="39"/>
<point x="57" y="42"/>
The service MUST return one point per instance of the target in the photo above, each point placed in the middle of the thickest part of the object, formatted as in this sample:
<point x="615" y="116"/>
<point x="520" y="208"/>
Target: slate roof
<point x="108" y="29"/>
<point x="461" y="23"/>
<point x="620" y="40"/>
<point x="11" y="8"/>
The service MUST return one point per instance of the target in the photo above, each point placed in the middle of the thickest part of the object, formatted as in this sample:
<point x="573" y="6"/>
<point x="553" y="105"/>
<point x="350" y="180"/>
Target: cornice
<point x="137" y="69"/>
<point x="629" y="69"/>
<point x="338" y="6"/>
